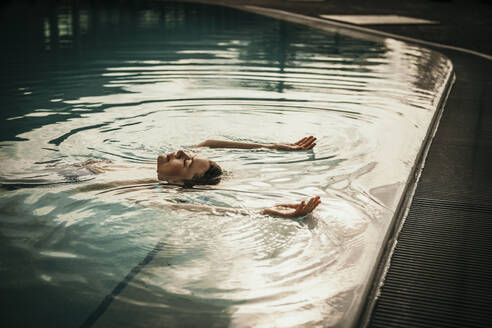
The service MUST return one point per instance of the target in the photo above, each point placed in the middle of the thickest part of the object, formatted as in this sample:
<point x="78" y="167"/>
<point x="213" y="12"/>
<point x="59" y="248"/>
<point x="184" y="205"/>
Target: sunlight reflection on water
<point x="173" y="78"/>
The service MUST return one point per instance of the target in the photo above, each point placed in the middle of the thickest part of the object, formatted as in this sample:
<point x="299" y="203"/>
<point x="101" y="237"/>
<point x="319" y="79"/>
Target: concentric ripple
<point x="118" y="86"/>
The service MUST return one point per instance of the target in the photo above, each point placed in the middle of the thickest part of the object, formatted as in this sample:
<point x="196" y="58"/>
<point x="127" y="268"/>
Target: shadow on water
<point x="82" y="79"/>
<point x="56" y="52"/>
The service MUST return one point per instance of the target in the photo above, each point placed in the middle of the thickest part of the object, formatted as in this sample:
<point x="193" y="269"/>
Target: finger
<point x="308" y="146"/>
<point x="306" y="210"/>
<point x="309" y="141"/>
<point x="304" y="140"/>
<point x="301" y="206"/>
<point x="310" y="204"/>
<point x="301" y="141"/>
<point x="313" y="203"/>
<point x="311" y="146"/>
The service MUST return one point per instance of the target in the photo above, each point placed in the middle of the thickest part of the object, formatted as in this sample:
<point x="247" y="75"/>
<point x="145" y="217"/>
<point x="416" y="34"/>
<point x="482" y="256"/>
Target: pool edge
<point x="391" y="239"/>
<point x="363" y="313"/>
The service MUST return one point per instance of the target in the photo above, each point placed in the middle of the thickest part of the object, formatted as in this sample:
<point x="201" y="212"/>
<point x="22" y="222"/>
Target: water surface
<point x="126" y="83"/>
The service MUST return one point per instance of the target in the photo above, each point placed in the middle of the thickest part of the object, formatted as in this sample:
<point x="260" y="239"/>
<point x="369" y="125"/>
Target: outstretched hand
<point x="294" y="210"/>
<point x="303" y="144"/>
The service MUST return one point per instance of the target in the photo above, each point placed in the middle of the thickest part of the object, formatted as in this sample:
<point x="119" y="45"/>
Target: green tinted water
<point x="125" y="83"/>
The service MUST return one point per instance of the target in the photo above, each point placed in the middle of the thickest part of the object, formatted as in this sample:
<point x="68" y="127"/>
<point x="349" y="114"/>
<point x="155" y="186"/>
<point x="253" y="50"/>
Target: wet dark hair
<point x="210" y="177"/>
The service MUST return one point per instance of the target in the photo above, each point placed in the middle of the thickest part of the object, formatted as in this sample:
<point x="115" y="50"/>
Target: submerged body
<point x="183" y="169"/>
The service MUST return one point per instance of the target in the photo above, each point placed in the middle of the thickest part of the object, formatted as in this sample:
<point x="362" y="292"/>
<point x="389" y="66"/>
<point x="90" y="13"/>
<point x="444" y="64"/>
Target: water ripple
<point x="120" y="96"/>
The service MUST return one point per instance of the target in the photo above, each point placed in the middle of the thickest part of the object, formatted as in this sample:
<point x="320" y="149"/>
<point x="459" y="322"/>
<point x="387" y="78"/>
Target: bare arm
<point x="289" y="211"/>
<point x="232" y="144"/>
<point x="303" y="144"/>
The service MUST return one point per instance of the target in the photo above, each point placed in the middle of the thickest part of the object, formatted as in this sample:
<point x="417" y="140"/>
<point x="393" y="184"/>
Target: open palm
<point x="305" y="143"/>
<point x="294" y="210"/>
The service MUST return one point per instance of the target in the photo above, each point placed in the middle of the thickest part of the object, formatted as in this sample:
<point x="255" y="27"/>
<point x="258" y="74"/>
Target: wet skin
<point x="179" y="166"/>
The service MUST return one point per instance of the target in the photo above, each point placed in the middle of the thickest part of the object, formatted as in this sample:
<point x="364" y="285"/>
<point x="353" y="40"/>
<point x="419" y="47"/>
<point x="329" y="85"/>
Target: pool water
<point x="125" y="82"/>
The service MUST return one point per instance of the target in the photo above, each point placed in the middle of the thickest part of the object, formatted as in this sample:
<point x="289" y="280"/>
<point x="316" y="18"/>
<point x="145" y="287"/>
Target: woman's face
<point x="179" y="166"/>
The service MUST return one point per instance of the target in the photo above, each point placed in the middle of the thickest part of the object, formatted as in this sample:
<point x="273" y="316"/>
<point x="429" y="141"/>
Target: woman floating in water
<point x="179" y="168"/>
<point x="182" y="169"/>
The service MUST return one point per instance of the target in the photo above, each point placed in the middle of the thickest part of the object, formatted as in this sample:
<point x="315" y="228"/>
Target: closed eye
<point x="190" y="160"/>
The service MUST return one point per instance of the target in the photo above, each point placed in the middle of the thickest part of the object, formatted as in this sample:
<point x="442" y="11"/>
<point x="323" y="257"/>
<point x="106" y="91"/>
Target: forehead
<point x="203" y="163"/>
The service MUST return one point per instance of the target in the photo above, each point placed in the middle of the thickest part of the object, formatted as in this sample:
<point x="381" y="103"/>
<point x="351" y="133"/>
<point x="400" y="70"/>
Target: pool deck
<point x="441" y="268"/>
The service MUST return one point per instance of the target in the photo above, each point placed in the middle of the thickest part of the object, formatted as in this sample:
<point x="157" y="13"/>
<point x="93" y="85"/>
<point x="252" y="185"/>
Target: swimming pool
<point x="125" y="83"/>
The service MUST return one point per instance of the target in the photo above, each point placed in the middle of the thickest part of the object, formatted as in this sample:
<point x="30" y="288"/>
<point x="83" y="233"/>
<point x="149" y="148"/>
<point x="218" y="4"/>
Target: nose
<point x="182" y="154"/>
